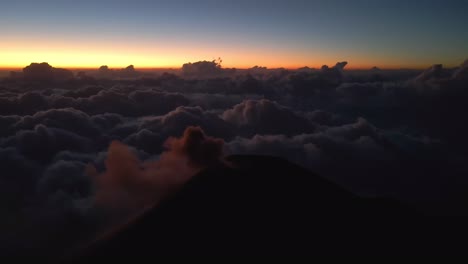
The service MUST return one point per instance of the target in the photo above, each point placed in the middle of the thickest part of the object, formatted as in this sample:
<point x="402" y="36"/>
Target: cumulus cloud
<point x="316" y="83"/>
<point x="334" y="73"/>
<point x="146" y="140"/>
<point x="361" y="158"/>
<point x="44" y="72"/>
<point x="65" y="176"/>
<point x="126" y="101"/>
<point x="336" y="142"/>
<point x="218" y="101"/>
<point x="462" y="72"/>
<point x="266" y="117"/>
<point x="42" y="143"/>
<point x="203" y="69"/>
<point x="132" y="184"/>
<point x="128" y="72"/>
<point x="83" y="92"/>
<point x="156" y="102"/>
<point x="135" y="103"/>
<point x="432" y="73"/>
<point x="67" y="119"/>
<point x="322" y="117"/>
<point x="175" y="122"/>
<point x="6" y="125"/>
<point x="23" y="103"/>
<point x="17" y="180"/>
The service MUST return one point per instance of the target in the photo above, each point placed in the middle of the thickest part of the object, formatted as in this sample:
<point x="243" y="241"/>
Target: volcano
<point x="268" y="206"/>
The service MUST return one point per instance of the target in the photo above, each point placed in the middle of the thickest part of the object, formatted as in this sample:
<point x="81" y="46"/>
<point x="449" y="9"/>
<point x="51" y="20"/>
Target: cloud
<point x="6" y="125"/>
<point x="128" y="72"/>
<point x="333" y="143"/>
<point x="462" y="72"/>
<point x="135" y="103"/>
<point x="432" y="73"/>
<point x="146" y="140"/>
<point x="27" y="103"/>
<point x="218" y="101"/>
<point x="43" y="72"/>
<point x="322" y="117"/>
<point x="107" y="121"/>
<point x="334" y="73"/>
<point x="65" y="176"/>
<point x="126" y="101"/>
<point x="67" y="119"/>
<point x="129" y="183"/>
<point x="266" y="117"/>
<point x="354" y="90"/>
<point x="364" y="159"/>
<point x="316" y="83"/>
<point x="155" y="102"/>
<point x="382" y="135"/>
<point x="175" y="122"/>
<point x="42" y="143"/>
<point x="83" y="92"/>
<point x="18" y="177"/>
<point x="202" y="69"/>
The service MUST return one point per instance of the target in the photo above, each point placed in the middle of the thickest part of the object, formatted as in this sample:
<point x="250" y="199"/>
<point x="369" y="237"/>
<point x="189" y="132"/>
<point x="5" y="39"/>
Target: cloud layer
<point x="77" y="149"/>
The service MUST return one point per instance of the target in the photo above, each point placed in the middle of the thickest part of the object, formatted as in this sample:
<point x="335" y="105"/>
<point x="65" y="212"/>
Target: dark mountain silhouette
<point x="266" y="205"/>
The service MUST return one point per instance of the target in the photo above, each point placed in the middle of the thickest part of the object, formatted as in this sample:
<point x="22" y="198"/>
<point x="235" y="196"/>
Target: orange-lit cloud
<point x="129" y="183"/>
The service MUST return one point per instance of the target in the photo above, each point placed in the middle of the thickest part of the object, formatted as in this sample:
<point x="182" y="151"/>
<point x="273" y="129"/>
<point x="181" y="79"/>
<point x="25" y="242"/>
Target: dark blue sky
<point x="244" y="33"/>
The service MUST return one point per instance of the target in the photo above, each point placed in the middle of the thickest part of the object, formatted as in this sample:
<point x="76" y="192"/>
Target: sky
<point x="293" y="33"/>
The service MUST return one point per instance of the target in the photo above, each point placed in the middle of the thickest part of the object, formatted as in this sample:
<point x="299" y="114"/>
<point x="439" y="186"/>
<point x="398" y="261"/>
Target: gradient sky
<point x="293" y="33"/>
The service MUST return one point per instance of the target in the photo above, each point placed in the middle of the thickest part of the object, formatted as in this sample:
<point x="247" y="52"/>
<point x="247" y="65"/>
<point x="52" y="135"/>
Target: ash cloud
<point x="132" y="184"/>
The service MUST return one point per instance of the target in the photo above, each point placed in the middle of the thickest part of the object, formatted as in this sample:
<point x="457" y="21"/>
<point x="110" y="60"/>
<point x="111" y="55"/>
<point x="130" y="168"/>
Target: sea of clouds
<point x="78" y="150"/>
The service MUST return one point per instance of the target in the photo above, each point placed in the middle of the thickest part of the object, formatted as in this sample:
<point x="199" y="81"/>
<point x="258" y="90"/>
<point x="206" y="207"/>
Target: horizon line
<point x="145" y="68"/>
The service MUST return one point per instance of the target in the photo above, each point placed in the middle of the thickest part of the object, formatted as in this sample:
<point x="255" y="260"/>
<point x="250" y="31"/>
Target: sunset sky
<point x="150" y="34"/>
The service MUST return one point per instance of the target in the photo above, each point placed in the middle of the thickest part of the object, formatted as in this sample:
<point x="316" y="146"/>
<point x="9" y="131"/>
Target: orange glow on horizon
<point x="18" y="53"/>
